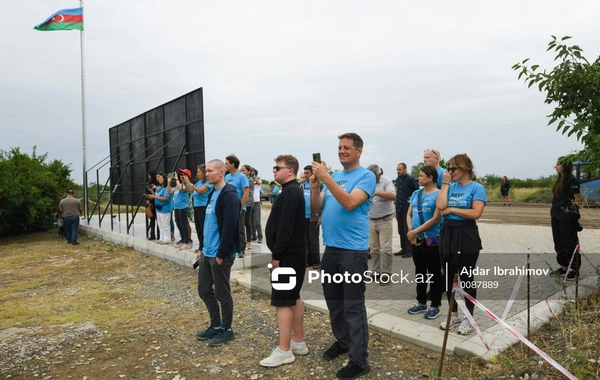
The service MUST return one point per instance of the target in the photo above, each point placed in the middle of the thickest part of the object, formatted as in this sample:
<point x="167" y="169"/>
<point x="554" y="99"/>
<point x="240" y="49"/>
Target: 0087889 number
<point x="478" y="284"/>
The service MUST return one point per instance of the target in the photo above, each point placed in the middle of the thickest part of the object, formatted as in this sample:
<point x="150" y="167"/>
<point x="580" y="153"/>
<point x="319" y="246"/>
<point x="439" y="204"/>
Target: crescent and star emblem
<point x="56" y="18"/>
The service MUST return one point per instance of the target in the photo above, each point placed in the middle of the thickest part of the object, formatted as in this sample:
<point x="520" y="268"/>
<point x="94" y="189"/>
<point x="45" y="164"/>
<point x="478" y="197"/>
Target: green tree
<point x="30" y="191"/>
<point x="573" y="87"/>
<point x="414" y="170"/>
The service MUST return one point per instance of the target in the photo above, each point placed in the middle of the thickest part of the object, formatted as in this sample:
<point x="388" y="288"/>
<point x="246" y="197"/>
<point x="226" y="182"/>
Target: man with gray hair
<point x="381" y="228"/>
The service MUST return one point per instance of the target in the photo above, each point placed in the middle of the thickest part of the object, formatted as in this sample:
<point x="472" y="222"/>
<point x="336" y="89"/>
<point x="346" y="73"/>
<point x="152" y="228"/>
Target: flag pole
<point x="85" y="186"/>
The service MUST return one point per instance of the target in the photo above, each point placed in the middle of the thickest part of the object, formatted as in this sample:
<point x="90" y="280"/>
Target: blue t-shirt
<point x="428" y="208"/>
<point x="212" y="237"/>
<point x="463" y="197"/>
<point x="306" y="189"/>
<point x="239" y="181"/>
<point x="348" y="229"/>
<point x="180" y="199"/>
<point x="201" y="199"/>
<point x="440" y="171"/>
<point x="276" y="190"/>
<point x="167" y="206"/>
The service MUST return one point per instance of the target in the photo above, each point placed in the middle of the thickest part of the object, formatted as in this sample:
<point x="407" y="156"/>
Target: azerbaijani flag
<point x="65" y="19"/>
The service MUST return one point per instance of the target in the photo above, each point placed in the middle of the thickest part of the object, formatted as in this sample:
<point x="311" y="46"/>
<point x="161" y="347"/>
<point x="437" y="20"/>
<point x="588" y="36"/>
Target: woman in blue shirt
<point x="424" y="221"/>
<point x="461" y="202"/>
<point x="181" y="196"/>
<point x="200" y="191"/>
<point x="163" y="206"/>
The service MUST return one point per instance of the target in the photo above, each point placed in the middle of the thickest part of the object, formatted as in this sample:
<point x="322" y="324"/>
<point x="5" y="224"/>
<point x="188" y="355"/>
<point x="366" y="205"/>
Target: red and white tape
<point x="534" y="348"/>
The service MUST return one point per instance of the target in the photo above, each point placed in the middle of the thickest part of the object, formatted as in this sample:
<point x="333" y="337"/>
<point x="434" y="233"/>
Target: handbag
<point x="60" y="223"/>
<point x="149" y="212"/>
<point x="431" y="240"/>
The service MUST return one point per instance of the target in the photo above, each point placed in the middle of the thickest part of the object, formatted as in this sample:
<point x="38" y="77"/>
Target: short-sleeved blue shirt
<point x="463" y="196"/>
<point x="239" y="181"/>
<point x="167" y="206"/>
<point x="201" y="199"/>
<point x="428" y="208"/>
<point x="348" y="229"/>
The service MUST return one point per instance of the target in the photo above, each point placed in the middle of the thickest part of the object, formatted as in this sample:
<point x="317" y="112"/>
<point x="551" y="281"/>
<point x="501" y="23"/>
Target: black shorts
<point x="504" y="193"/>
<point x="289" y="297"/>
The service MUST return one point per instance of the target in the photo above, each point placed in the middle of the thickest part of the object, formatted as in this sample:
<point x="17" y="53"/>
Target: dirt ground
<point x="99" y="311"/>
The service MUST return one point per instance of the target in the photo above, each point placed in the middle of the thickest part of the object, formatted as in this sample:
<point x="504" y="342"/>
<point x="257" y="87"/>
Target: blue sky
<point x="286" y="77"/>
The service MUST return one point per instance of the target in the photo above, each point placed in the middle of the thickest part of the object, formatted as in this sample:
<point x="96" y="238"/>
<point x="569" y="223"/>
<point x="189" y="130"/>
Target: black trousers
<point x="311" y="236"/>
<point x="564" y="234"/>
<point x="427" y="261"/>
<point x="199" y="214"/>
<point x="248" y="223"/>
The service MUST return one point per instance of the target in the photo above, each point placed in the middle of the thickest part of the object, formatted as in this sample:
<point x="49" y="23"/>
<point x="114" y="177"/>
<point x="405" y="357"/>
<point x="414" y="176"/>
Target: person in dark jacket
<point x="564" y="217"/>
<point x="461" y="202"/>
<point x="504" y="189"/>
<point x="217" y="253"/>
<point x="151" y="185"/>
<point x="405" y="187"/>
<point x="285" y="238"/>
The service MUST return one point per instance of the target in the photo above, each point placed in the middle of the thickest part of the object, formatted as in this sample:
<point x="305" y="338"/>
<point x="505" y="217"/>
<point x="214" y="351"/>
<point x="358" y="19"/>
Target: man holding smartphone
<point x="344" y="207"/>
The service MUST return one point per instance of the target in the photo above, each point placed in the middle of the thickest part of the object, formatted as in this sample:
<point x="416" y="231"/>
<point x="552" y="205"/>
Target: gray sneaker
<point x="465" y="327"/>
<point x="454" y="322"/>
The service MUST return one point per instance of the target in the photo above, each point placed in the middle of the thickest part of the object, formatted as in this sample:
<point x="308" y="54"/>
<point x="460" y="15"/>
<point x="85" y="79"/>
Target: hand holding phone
<point x="171" y="175"/>
<point x="317" y="157"/>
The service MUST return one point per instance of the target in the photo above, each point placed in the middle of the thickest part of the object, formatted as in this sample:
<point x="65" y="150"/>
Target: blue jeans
<point x="71" y="228"/>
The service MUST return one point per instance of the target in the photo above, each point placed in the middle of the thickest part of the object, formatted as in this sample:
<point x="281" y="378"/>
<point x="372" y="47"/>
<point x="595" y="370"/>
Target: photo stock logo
<point x="290" y="273"/>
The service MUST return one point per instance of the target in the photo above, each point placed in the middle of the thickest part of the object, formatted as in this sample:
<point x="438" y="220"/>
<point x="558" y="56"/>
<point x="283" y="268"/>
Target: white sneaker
<point x="465" y="327"/>
<point x="278" y="358"/>
<point x="454" y="322"/>
<point x="299" y="348"/>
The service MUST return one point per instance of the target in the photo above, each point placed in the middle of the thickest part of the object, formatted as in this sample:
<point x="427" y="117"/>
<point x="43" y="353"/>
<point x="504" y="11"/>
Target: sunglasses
<point x="278" y="168"/>
<point x="433" y="151"/>
<point x="452" y="169"/>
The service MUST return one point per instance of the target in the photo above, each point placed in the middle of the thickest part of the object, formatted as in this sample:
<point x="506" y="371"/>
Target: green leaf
<point x="534" y="67"/>
<point x="525" y="60"/>
<point x="565" y="38"/>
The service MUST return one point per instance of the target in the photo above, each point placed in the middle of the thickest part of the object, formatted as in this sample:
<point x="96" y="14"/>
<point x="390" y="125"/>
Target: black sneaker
<point x="558" y="272"/>
<point x="400" y="253"/>
<point x="334" y="351"/>
<point x="572" y="275"/>
<point x="209" y="333"/>
<point x="352" y="371"/>
<point x="241" y="255"/>
<point x="407" y="254"/>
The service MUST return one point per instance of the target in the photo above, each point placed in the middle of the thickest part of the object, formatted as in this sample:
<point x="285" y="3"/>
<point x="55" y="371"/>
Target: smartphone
<point x="317" y="157"/>
<point x="171" y="175"/>
<point x="149" y="187"/>
<point x="196" y="263"/>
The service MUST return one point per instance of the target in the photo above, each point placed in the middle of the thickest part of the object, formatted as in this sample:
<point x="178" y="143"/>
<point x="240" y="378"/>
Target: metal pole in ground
<point x="528" y="296"/>
<point x="451" y="306"/>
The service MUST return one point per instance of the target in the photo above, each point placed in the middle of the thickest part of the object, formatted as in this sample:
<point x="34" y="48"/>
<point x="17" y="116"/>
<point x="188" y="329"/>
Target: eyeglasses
<point x="278" y="168"/>
<point x="433" y="151"/>
<point x="451" y="170"/>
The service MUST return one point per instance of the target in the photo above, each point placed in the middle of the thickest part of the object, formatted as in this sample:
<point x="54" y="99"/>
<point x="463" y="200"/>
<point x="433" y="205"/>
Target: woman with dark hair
<point x="180" y="207"/>
<point x="247" y="170"/>
<point x="163" y="205"/>
<point x="564" y="217"/>
<point x="200" y="191"/>
<point x="461" y="202"/>
<point x="151" y="213"/>
<point x="504" y="188"/>
<point x="424" y="222"/>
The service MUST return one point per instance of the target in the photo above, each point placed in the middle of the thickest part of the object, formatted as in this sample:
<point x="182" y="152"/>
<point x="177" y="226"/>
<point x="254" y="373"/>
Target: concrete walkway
<point x="505" y="249"/>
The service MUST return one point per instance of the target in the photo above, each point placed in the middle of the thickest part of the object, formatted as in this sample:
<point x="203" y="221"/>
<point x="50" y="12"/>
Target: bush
<point x="30" y="191"/>
<point x="542" y="195"/>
